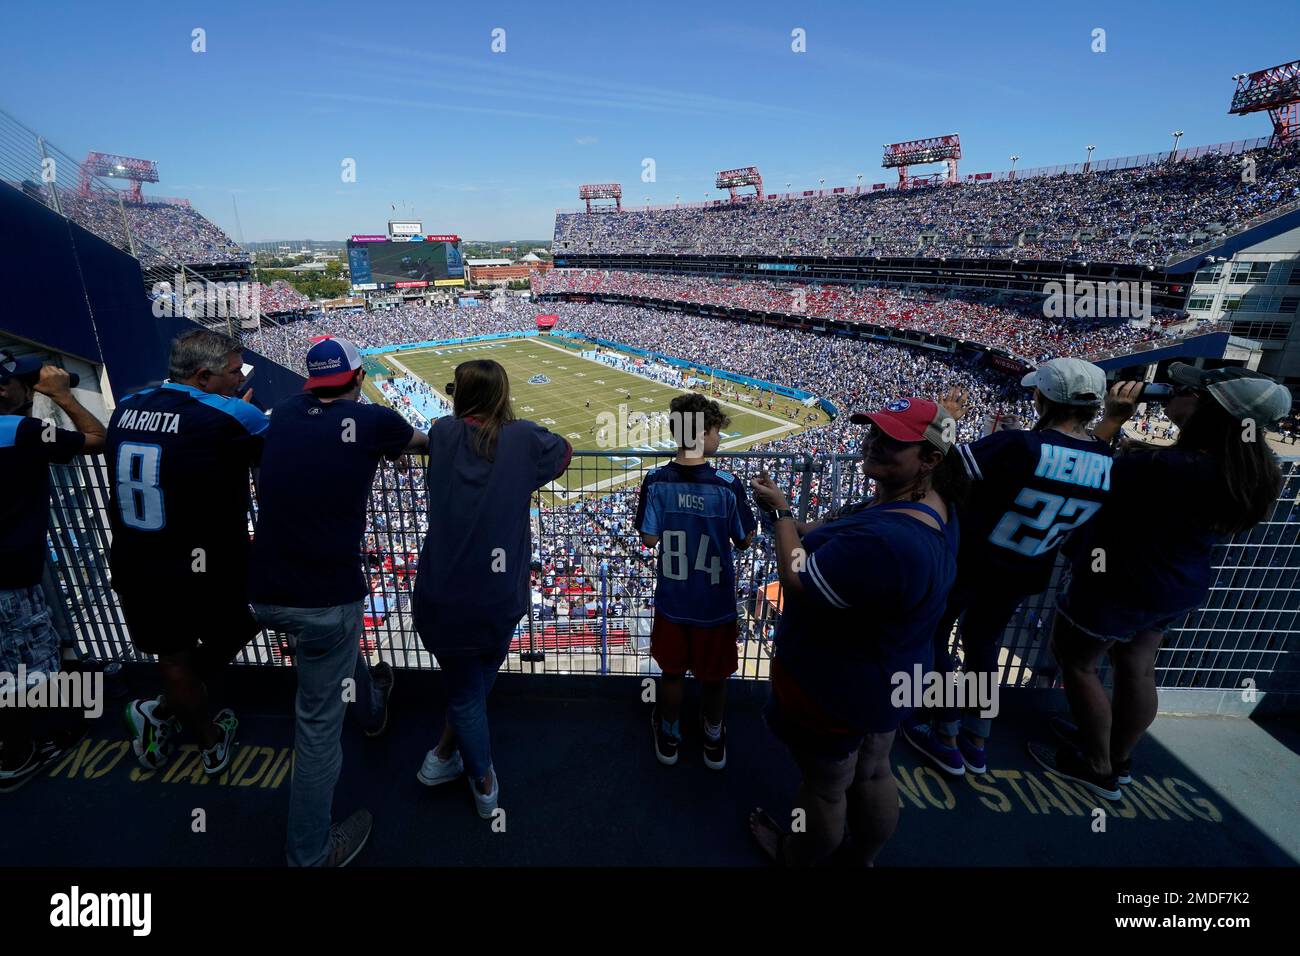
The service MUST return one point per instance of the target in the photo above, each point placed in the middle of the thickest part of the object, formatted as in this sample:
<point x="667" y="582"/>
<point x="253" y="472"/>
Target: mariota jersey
<point x="697" y="511"/>
<point x="179" y="463"/>
<point x="1030" y="489"/>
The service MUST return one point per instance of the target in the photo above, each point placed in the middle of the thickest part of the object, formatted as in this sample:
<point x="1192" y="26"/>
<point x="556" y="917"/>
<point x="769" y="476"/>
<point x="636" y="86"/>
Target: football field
<point x="598" y="407"/>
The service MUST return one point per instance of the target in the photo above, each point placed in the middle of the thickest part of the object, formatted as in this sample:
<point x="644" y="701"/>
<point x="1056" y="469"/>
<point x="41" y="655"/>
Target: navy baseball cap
<point x="331" y="362"/>
<point x="11" y="366"/>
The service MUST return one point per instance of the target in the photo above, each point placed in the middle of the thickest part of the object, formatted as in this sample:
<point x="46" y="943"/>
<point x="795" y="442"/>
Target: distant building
<point x="505" y="274"/>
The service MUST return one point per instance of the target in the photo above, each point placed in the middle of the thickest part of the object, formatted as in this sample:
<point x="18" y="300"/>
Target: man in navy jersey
<point x="694" y="512"/>
<point x="306" y="578"/>
<point x="28" y="446"/>
<point x="179" y="457"/>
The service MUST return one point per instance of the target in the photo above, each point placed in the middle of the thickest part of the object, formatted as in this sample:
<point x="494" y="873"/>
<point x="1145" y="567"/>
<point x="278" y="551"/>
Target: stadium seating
<point x="1144" y="215"/>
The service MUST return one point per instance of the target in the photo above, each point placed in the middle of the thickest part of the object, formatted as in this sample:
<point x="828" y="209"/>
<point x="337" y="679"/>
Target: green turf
<point x="562" y="404"/>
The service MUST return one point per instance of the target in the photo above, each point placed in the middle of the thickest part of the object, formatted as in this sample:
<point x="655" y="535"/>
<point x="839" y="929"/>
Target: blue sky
<point x="488" y="145"/>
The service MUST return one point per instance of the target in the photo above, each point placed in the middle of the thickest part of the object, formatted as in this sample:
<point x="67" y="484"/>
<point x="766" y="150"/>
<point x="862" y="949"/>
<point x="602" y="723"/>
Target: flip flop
<point x="764" y="819"/>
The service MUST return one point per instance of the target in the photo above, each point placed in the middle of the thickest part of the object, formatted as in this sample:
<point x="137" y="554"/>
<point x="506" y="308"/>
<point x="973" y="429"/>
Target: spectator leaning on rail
<point x="28" y="642"/>
<point x="1136" y="570"/>
<point x="471" y="589"/>
<point x="306" y="580"/>
<point x="694" y="513"/>
<point x="179" y="456"/>
<point x="1029" y="490"/>
<point x="863" y="592"/>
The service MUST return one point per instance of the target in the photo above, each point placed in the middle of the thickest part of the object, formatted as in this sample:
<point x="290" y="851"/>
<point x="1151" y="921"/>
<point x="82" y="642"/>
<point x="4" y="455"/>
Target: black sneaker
<point x="1067" y="763"/>
<point x="1067" y="733"/>
<point x="43" y="754"/>
<point x="348" y="838"/>
<point x="666" y="745"/>
<point x="382" y="676"/>
<point x="715" y="751"/>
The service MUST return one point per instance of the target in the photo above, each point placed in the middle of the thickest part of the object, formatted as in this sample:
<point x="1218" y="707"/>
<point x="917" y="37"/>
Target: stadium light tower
<point x="919" y="152"/>
<point x="1088" y="160"/>
<point x="1012" y="175"/>
<point x="1275" y="90"/>
<point x="733" y="179"/>
<point x="1177" y="135"/>
<point x="859" y="182"/>
<point x="592" y="191"/>
<point x="113" y="166"/>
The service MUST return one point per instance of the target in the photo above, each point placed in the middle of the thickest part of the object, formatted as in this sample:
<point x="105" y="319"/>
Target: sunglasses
<point x="877" y="436"/>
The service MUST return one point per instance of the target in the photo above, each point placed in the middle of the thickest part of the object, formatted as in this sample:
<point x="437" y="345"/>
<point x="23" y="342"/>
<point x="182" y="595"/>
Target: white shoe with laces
<point x="435" y="770"/>
<point x="486" y="803"/>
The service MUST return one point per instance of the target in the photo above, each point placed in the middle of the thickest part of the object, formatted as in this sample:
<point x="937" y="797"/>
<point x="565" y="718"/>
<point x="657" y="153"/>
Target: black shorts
<point x="166" y="626"/>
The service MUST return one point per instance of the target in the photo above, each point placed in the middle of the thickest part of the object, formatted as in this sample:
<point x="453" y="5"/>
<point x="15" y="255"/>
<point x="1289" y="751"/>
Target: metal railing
<point x="592" y="579"/>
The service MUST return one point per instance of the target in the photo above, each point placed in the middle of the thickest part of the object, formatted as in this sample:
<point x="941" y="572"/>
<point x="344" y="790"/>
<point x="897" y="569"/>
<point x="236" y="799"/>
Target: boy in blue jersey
<point x="694" y="512"/>
<point x="179" y="457"/>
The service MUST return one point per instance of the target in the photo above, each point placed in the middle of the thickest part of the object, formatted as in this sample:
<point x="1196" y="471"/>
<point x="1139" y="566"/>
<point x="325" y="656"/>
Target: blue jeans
<point x="328" y="641"/>
<point x="469" y="681"/>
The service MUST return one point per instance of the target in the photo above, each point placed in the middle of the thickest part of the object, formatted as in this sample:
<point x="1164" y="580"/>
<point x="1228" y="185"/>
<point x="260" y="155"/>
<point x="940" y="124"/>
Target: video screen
<point x="396" y="265"/>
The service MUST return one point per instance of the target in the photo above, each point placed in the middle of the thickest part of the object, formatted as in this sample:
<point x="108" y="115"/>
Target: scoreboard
<point x="378" y="262"/>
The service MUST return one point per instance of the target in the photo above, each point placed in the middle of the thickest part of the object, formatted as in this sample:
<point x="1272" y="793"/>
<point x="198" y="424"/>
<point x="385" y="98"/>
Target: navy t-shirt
<point x="697" y="512"/>
<point x="1029" y="491"/>
<point x="1155" y="534"/>
<point x="875" y="585"/>
<point x="25" y="459"/>
<point x="318" y="466"/>
<point x="475" y="560"/>
<point x="179" y="462"/>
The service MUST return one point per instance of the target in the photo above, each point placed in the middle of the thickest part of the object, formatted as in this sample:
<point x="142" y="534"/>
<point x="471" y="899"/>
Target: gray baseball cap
<point x="1245" y="394"/>
<point x="1069" y="381"/>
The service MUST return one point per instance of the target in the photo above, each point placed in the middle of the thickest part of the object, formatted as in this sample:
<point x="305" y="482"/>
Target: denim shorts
<point x="27" y="636"/>
<point x="1102" y="619"/>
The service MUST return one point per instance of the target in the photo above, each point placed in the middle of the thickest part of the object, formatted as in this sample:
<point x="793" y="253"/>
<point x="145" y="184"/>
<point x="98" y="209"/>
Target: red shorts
<point x="708" y="652"/>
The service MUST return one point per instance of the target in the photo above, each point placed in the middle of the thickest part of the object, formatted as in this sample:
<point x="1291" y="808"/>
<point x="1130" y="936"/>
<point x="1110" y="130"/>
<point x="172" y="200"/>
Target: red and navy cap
<point x="331" y="362"/>
<point x="911" y="419"/>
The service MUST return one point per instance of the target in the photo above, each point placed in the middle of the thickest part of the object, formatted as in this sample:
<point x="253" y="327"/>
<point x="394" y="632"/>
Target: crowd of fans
<point x="1018" y="327"/>
<point x="164" y="233"/>
<point x="1143" y="215"/>
<point x="280" y="297"/>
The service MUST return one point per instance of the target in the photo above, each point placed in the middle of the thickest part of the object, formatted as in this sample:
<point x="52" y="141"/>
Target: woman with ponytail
<point x="471" y="589"/>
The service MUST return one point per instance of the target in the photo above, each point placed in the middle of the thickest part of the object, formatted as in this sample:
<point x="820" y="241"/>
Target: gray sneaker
<point x="347" y="838"/>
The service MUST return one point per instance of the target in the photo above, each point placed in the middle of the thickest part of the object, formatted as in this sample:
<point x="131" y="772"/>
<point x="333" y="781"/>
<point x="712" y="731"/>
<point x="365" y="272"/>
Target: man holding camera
<point x="28" y="642"/>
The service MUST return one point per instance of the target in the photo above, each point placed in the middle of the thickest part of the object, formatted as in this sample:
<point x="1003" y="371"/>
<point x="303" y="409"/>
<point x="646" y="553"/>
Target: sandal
<point x="761" y="818"/>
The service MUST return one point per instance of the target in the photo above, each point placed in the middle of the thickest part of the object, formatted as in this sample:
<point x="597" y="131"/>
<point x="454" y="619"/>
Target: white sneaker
<point x="487" y="805"/>
<point x="435" y="770"/>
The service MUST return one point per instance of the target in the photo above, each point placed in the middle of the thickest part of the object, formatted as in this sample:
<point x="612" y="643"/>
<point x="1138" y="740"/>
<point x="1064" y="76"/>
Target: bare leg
<point x="873" y="797"/>
<point x="187" y="697"/>
<point x="1078" y="654"/>
<point x="1136" y="700"/>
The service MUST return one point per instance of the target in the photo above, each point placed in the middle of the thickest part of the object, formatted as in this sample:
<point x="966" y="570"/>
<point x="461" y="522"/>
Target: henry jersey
<point x="1029" y="490"/>
<point x="179" y="463"/>
<point x="696" y="511"/>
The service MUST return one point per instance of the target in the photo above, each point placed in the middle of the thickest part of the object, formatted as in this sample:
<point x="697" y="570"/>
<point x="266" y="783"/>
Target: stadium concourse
<point x="1145" y="215"/>
<point x="584" y="789"/>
